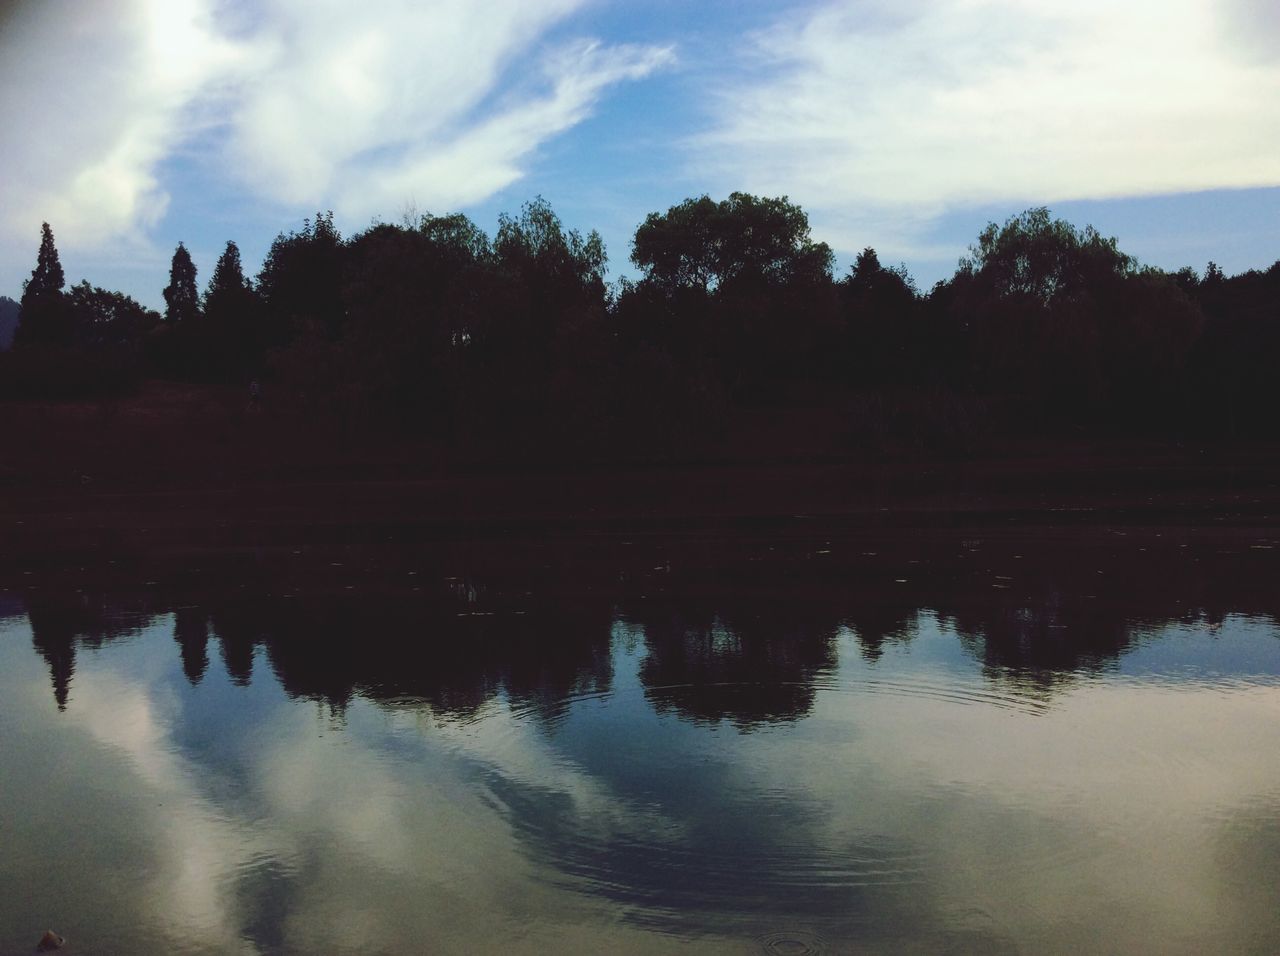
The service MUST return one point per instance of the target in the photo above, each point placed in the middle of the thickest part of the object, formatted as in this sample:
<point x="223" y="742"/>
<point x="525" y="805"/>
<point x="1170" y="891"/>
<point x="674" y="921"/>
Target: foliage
<point x="735" y="290"/>
<point x="1044" y="260"/>
<point x="46" y="320"/>
<point x="9" y="314"/>
<point x="1231" y="369"/>
<point x="301" y="280"/>
<point x="182" y="301"/>
<point x="103" y="318"/>
<point x="514" y="345"/>
<point x="1064" y="320"/>
<point x="884" y="336"/>
<point x="227" y="340"/>
<point x="705" y="244"/>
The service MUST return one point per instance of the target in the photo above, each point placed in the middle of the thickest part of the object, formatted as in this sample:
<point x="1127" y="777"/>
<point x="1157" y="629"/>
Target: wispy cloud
<point x="871" y="111"/>
<point x="473" y="162"/>
<point x="302" y="104"/>
<point x="91" y="101"/>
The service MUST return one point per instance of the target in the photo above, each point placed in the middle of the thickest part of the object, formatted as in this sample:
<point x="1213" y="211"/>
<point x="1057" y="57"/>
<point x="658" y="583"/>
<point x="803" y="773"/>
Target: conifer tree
<point x="44" y="313"/>
<point x="231" y="333"/>
<point x="182" y="301"/>
<point x="228" y="276"/>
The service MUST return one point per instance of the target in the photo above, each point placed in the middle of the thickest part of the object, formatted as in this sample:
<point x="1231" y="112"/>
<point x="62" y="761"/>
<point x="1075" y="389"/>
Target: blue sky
<point x="901" y="124"/>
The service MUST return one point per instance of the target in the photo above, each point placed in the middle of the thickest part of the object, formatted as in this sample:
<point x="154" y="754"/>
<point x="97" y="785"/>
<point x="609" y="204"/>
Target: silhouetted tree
<point x="229" y="341"/>
<point x="46" y="320"/>
<point x="702" y="243"/>
<point x="1028" y="296"/>
<point x="301" y="281"/>
<point x="883" y="343"/>
<point x="412" y="297"/>
<point x="1231" y="372"/>
<point x="9" y="314"/>
<point x="739" y="280"/>
<point x="105" y="319"/>
<point x="182" y="301"/>
<point x="538" y="356"/>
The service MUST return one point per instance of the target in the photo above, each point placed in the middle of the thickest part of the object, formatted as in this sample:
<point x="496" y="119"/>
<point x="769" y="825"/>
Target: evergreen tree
<point x="231" y="340"/>
<point x="47" y="278"/>
<point x="181" y="299"/>
<point x="45" y="318"/>
<point x="228" y="276"/>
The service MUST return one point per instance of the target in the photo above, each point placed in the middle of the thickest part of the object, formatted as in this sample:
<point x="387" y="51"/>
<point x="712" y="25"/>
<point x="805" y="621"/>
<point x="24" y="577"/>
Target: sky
<point x="906" y="125"/>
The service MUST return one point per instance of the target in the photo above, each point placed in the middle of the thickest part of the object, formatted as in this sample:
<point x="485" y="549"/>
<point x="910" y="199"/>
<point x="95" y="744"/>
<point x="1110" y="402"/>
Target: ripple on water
<point x="793" y="942"/>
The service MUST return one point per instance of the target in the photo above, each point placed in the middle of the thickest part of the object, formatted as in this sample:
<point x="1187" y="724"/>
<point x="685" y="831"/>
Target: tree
<point x="108" y="319"/>
<point x="882" y="327"/>
<point x="228" y="276"/>
<point x="1062" y="319"/>
<point x="1042" y="259"/>
<point x="228" y="340"/>
<point x="9" y="313"/>
<point x="47" y="278"/>
<point x="46" y="320"/>
<point x="301" y="279"/>
<point x="182" y="301"/>
<point x="737" y="289"/>
<point x="539" y="354"/>
<point x="705" y="244"/>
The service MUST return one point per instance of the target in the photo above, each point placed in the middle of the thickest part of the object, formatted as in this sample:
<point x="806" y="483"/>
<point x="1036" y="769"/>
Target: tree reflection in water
<point x="740" y="631"/>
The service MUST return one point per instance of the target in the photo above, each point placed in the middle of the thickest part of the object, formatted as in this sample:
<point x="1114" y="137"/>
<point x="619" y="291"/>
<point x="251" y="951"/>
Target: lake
<point x="797" y="739"/>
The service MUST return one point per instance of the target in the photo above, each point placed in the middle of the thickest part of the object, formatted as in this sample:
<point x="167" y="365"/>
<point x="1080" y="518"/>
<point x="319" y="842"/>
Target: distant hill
<point x="9" y="311"/>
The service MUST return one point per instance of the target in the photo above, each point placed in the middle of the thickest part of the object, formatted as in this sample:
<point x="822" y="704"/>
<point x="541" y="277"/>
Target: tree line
<point x="518" y="340"/>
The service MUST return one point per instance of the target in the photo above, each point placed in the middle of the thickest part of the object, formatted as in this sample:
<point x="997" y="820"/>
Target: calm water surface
<point x="963" y="742"/>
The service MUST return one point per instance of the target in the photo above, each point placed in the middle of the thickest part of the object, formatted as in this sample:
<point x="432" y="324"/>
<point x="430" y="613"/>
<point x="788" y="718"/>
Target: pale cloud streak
<point x="91" y="101"/>
<point x="475" y="161"/>
<point x="303" y="105"/>
<point x="867" y="112"/>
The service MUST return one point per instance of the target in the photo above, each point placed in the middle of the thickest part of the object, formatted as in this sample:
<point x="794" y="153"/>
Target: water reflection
<point x="745" y="636"/>
<point x="923" y="744"/>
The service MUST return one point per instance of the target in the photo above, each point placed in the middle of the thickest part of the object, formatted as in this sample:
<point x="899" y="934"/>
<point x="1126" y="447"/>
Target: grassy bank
<point x="182" y="460"/>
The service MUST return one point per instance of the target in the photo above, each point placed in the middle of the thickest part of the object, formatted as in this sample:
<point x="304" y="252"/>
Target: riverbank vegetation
<point x="516" y="345"/>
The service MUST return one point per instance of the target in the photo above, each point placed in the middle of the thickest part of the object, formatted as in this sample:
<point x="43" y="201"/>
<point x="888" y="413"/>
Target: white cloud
<point x="868" y="111"/>
<point x="360" y="106"/>
<point x="477" y="161"/>
<point x="91" y="102"/>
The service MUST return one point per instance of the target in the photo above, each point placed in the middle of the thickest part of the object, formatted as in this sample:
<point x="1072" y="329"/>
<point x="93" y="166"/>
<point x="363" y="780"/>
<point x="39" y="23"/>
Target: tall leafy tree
<point x="705" y="244"/>
<point x="740" y="280"/>
<point x="542" y="348"/>
<point x="182" y="301"/>
<point x="301" y="280"/>
<point x="45" y="316"/>
<point x="1062" y="319"/>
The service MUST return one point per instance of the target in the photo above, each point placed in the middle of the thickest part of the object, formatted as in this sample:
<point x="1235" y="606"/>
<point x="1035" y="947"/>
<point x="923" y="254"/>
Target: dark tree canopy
<point x="704" y="244"/>
<point x="9" y="312"/>
<point x="1042" y="258"/>
<point x="515" y="345"/>
<point x="301" y="278"/>
<point x="735" y="293"/>
<point x="182" y="300"/>
<point x="107" y="318"/>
